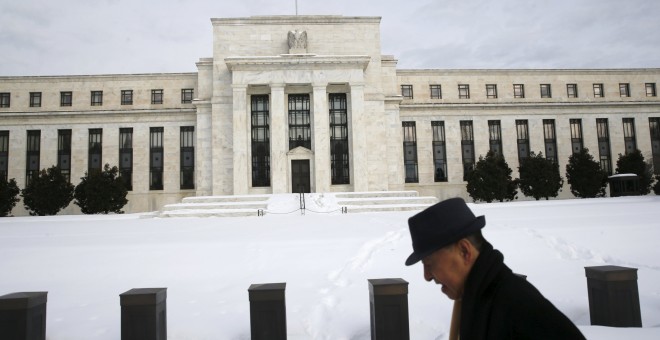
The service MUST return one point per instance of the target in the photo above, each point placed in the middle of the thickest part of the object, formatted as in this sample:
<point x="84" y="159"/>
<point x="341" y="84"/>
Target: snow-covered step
<point x="384" y="208"/>
<point x="383" y="201"/>
<point x="388" y="201"/>
<point x="210" y="213"/>
<point x="216" y="206"/>
<point x="372" y="194"/>
<point x="216" y="199"/>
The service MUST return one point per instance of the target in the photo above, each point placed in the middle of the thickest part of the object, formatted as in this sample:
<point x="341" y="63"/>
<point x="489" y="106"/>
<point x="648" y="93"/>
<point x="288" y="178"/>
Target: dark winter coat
<point x="498" y="304"/>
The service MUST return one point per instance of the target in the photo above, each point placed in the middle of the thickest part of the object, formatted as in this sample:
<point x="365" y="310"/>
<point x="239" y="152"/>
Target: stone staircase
<point x="222" y="206"/>
<point x="252" y="205"/>
<point x="356" y="202"/>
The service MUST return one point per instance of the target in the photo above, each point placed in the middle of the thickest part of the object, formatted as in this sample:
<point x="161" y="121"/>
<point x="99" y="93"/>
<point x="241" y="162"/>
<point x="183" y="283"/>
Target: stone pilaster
<point x="240" y="139"/>
<point x="358" y="136"/>
<point x="321" y="139"/>
<point x="203" y="150"/>
<point x="278" y="139"/>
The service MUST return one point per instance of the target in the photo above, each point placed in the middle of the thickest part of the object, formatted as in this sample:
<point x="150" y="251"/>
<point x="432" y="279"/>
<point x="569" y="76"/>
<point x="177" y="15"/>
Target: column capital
<point x="277" y="85"/>
<point x="239" y="86"/>
<point x="356" y="84"/>
<point x="318" y="86"/>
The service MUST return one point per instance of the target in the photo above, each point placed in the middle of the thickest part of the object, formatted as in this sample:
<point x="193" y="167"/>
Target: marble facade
<point x="317" y="56"/>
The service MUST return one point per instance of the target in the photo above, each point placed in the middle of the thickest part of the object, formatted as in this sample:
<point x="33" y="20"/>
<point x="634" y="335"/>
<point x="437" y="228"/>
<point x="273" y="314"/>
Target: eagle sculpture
<point x="297" y="39"/>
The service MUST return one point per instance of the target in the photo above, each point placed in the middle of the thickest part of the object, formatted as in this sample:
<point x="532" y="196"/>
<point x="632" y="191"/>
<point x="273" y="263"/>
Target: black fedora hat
<point x="441" y="225"/>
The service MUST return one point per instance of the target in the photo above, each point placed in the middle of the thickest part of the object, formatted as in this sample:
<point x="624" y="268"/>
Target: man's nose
<point x="427" y="274"/>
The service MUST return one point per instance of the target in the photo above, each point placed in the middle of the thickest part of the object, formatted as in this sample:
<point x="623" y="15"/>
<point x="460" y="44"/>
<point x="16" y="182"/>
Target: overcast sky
<point x="69" y="37"/>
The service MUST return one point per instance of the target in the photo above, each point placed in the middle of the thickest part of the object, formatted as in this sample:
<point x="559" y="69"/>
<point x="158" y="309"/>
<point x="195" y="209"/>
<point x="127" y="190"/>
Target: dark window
<point x="463" y="91"/>
<point x="518" y="91"/>
<point x="95" y="154"/>
<point x="66" y="98"/>
<point x="339" y="155"/>
<point x="522" y="131"/>
<point x="571" y="90"/>
<point x="439" y="151"/>
<point x="64" y="153"/>
<point x="126" y="157"/>
<point x="156" y="96"/>
<point x="550" y="137"/>
<point x="650" y="90"/>
<point x="156" y="158"/>
<point x="604" y="144"/>
<point x="5" y="99"/>
<point x="300" y="133"/>
<point x="624" y="89"/>
<point x="491" y="91"/>
<point x="629" y="138"/>
<point x="576" y="135"/>
<point x="186" y="96"/>
<point x="260" y="141"/>
<point x="436" y="91"/>
<point x="495" y="136"/>
<point x="187" y="157"/>
<point x="598" y="91"/>
<point x="32" y="154"/>
<point x="407" y="91"/>
<point x="97" y="98"/>
<point x="546" y="91"/>
<point x="35" y="99"/>
<point x="4" y="155"/>
<point x="654" y="126"/>
<point x="410" y="152"/>
<point x="126" y="97"/>
<point x="467" y="147"/>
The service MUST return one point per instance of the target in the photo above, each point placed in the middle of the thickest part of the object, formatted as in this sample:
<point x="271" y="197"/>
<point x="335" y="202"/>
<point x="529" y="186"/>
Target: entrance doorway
<point x="300" y="181"/>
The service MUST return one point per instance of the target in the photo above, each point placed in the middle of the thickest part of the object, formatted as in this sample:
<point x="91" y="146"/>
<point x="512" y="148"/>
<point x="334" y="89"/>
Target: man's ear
<point x="467" y="251"/>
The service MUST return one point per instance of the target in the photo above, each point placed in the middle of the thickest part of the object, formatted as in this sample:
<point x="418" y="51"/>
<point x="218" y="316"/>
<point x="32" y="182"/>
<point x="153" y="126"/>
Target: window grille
<point x="339" y="152"/>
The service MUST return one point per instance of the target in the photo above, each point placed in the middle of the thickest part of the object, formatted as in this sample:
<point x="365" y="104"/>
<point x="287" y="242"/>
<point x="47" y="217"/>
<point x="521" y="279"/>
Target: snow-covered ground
<point x="207" y="265"/>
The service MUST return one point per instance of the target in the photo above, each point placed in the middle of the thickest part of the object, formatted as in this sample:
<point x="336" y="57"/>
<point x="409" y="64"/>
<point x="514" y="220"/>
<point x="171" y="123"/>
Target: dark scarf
<point x="480" y="285"/>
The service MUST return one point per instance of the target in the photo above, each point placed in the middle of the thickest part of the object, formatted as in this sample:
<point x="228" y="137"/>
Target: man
<point x="495" y="302"/>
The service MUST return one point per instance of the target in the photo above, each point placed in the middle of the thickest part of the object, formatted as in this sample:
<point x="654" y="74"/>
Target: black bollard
<point x="613" y="296"/>
<point x="144" y="314"/>
<point x="23" y="316"/>
<point x="388" y="299"/>
<point x="267" y="311"/>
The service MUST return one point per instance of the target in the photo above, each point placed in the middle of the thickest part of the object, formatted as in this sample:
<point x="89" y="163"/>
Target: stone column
<point x="358" y="136"/>
<point x="203" y="150"/>
<point x="23" y="316"/>
<point x="240" y="139"/>
<point x="321" y="139"/>
<point x="279" y="139"/>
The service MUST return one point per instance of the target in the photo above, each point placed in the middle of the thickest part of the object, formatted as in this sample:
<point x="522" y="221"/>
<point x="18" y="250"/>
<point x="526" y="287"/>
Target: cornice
<point x="296" y="60"/>
<point x="102" y="113"/>
<point x="485" y="72"/>
<point x="295" y="19"/>
<point x="527" y="106"/>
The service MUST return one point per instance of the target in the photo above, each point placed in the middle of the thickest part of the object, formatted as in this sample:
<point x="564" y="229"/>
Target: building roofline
<point x="295" y="19"/>
<point x="90" y="76"/>
<point x="523" y="70"/>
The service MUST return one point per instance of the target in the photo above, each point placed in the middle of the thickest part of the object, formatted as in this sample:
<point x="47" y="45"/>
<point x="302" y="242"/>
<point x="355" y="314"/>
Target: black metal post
<point x="267" y="311"/>
<point x="613" y="296"/>
<point x="23" y="316"/>
<point x="388" y="299"/>
<point x="144" y="314"/>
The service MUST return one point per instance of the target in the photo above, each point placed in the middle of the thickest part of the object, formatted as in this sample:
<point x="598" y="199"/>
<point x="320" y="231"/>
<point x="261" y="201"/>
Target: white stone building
<point x="309" y="103"/>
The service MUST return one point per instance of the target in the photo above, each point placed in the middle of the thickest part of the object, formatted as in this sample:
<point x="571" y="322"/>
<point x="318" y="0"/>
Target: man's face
<point x="448" y="267"/>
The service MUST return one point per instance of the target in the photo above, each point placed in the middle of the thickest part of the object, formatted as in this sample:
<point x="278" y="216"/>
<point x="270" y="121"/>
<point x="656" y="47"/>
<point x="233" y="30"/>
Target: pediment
<point x="300" y="151"/>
